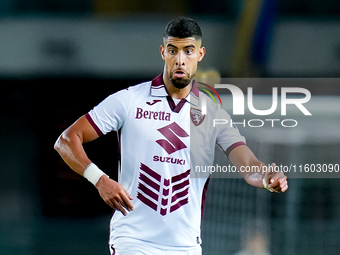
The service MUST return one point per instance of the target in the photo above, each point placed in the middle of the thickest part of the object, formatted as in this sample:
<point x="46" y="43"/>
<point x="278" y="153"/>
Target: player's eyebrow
<point x="188" y="46"/>
<point x="170" y="45"/>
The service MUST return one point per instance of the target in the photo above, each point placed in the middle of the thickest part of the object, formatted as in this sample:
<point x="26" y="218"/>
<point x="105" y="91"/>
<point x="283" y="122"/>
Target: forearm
<point x="254" y="173"/>
<point x="251" y="169"/>
<point x="257" y="173"/>
<point x="70" y="147"/>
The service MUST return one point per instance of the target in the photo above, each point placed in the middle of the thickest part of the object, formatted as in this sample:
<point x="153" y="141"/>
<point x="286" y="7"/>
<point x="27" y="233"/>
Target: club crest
<point x="196" y="116"/>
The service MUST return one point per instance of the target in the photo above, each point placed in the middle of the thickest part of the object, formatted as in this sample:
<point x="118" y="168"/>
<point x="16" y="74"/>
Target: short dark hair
<point x="183" y="27"/>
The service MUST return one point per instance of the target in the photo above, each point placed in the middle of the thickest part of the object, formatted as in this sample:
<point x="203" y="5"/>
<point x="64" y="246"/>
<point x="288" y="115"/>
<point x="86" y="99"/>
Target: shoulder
<point x="130" y="93"/>
<point x="140" y="88"/>
<point x="137" y="90"/>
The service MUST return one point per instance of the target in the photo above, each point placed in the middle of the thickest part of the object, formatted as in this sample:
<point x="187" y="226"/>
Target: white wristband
<point x="92" y="173"/>
<point x="265" y="185"/>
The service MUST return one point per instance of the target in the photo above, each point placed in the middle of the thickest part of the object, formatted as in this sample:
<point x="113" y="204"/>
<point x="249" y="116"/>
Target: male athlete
<point x="157" y="194"/>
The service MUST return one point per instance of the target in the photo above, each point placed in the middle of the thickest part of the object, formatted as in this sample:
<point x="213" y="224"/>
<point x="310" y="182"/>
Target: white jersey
<point x="155" y="140"/>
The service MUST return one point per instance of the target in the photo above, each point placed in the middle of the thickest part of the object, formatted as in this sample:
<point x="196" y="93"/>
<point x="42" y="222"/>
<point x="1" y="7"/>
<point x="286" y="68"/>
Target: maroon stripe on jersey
<point x="164" y="201"/>
<point x="163" y="212"/>
<point x="150" y="172"/>
<point x="233" y="146"/>
<point x="176" y="108"/>
<point x="204" y="196"/>
<point x="113" y="250"/>
<point x="180" y="186"/>
<point x="180" y="105"/>
<point x="149" y="182"/>
<point x="180" y="176"/>
<point x="158" y="80"/>
<point x="88" y="117"/>
<point x="195" y="90"/>
<point x="147" y="191"/>
<point x="179" y="204"/>
<point x="180" y="195"/>
<point x="119" y="134"/>
<point x="166" y="182"/>
<point x="147" y="201"/>
<point x="171" y="103"/>
<point x="166" y="192"/>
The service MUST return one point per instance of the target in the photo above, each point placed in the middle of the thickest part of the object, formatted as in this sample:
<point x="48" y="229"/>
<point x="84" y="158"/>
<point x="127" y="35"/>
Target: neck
<point x="175" y="92"/>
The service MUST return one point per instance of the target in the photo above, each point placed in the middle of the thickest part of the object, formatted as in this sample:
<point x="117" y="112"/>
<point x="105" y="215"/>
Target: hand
<point x="114" y="194"/>
<point x="275" y="181"/>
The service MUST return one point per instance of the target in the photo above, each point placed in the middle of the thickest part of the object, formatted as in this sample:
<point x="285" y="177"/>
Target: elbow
<point x="61" y="142"/>
<point x="57" y="144"/>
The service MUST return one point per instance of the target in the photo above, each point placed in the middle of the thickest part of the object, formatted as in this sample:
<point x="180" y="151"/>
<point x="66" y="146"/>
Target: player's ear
<point x="162" y="50"/>
<point x="201" y="53"/>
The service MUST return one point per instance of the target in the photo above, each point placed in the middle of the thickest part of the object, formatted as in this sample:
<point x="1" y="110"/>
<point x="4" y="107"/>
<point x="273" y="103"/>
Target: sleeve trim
<point x="88" y="117"/>
<point x="233" y="146"/>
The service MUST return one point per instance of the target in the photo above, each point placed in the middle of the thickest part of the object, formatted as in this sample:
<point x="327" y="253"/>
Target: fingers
<point x="269" y="172"/>
<point x="277" y="181"/>
<point x="279" y="185"/>
<point x="115" y="195"/>
<point x="125" y="202"/>
<point x="118" y="206"/>
<point x="121" y="200"/>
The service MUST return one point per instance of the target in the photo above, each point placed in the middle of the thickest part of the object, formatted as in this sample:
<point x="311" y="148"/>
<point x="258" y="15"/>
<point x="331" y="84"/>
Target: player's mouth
<point x="179" y="74"/>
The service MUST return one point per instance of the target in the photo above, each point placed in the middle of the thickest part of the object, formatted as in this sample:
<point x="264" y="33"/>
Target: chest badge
<point x="196" y="116"/>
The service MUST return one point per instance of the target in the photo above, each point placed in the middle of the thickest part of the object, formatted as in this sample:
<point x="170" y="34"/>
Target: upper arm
<point x="69" y="144"/>
<point x="82" y="129"/>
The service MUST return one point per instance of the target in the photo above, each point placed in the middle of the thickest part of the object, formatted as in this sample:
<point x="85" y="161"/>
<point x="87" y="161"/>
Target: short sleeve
<point x="228" y="136"/>
<point x="110" y="114"/>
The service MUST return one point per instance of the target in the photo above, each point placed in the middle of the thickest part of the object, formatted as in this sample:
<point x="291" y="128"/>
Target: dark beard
<point x="180" y="83"/>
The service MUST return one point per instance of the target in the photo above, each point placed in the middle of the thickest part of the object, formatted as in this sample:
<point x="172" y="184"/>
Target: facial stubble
<point x="181" y="83"/>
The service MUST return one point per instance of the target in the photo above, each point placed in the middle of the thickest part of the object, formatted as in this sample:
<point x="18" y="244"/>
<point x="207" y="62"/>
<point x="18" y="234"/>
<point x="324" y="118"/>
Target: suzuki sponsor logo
<point x="169" y="160"/>
<point x="171" y="133"/>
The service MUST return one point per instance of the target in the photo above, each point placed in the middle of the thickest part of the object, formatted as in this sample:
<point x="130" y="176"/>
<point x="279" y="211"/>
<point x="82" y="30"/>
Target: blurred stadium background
<point x="60" y="58"/>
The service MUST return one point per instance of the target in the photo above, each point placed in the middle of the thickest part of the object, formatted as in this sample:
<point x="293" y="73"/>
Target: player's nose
<point x="180" y="59"/>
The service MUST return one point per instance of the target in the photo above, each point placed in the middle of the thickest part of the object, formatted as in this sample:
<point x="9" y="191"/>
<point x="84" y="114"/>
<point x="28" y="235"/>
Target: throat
<point x="176" y="107"/>
<point x="176" y="101"/>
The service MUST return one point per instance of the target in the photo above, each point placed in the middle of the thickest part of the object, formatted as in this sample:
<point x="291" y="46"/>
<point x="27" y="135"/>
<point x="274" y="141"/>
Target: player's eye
<point x="171" y="51"/>
<point x="189" y="51"/>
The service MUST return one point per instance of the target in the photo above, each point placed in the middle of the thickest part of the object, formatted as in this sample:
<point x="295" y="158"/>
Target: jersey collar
<point x="158" y="90"/>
